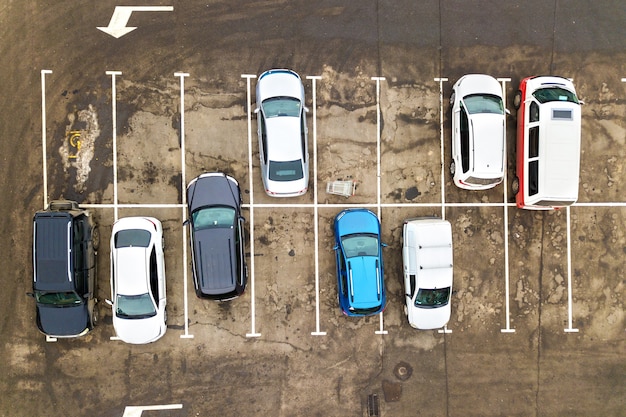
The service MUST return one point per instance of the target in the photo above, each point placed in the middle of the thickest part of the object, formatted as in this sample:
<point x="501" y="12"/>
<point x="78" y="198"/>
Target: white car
<point x="478" y="132"/>
<point x="138" y="280"/>
<point x="427" y="259"/>
<point x="283" y="133"/>
<point x="547" y="169"/>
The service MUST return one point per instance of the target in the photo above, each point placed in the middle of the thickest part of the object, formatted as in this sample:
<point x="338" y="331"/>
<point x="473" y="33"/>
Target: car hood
<point x="357" y="221"/>
<point x="428" y="318"/>
<point x="212" y="191"/>
<point x="279" y="83"/>
<point x="65" y="321"/>
<point x="140" y="331"/>
<point x="478" y="84"/>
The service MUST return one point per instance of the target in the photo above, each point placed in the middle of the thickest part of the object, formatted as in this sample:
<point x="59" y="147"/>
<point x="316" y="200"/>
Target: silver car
<point x="283" y="133"/>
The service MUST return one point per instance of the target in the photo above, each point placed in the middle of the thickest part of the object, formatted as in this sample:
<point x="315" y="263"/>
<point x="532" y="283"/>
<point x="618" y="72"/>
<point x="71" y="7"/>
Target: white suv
<point x="427" y="259"/>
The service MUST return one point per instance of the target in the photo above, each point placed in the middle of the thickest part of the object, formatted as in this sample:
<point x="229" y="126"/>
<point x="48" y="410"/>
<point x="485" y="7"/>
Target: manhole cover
<point x="403" y="371"/>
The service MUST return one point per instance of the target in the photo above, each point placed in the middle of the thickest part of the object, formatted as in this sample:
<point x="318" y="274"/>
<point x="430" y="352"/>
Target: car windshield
<point x="135" y="306"/>
<point x="213" y="217"/>
<point x="365" y="244"/>
<point x="483" y="103"/>
<point x="132" y="237"/>
<point x="281" y="106"/>
<point x="285" y="170"/>
<point x="544" y="95"/>
<point x="57" y="298"/>
<point x="430" y="298"/>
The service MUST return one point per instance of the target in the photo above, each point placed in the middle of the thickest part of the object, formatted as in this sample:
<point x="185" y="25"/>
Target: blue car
<point x="358" y="249"/>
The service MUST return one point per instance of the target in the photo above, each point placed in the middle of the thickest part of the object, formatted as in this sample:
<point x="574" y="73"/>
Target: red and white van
<point x="548" y="143"/>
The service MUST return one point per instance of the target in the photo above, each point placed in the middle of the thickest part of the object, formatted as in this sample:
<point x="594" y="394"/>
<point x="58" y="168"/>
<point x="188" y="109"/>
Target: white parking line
<point x="253" y="332"/>
<point x="114" y="135"/>
<point x="317" y="331"/>
<point x="183" y="193"/>
<point x="569" y="277"/>
<point x="136" y="411"/>
<point x="445" y="329"/>
<point x="508" y="329"/>
<point x="44" y="137"/>
<point x="378" y="197"/>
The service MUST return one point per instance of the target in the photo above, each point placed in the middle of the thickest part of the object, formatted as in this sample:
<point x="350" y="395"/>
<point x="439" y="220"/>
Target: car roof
<point x="213" y="189"/>
<point x="132" y="266"/>
<point x="215" y="257"/>
<point x="431" y="239"/>
<point x="367" y="287"/>
<point x="283" y="138"/>
<point x="51" y="244"/>
<point x="488" y="137"/>
<point x="561" y="142"/>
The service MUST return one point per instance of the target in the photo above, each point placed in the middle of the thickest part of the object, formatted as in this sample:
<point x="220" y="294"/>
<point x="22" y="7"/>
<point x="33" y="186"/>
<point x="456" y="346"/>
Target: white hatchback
<point x="138" y="280"/>
<point x="478" y="132"/>
<point x="427" y="259"/>
<point x="283" y="133"/>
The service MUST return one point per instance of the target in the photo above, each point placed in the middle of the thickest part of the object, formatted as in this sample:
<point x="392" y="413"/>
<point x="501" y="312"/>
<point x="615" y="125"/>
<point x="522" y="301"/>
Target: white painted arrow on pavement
<point x="117" y="26"/>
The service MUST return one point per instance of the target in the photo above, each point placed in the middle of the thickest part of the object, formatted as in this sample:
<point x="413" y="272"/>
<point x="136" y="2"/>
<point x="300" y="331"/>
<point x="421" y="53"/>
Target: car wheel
<point x="452" y="168"/>
<point x="165" y="316"/>
<point x="95" y="238"/>
<point x="515" y="185"/>
<point x="517" y="100"/>
<point x="452" y="99"/>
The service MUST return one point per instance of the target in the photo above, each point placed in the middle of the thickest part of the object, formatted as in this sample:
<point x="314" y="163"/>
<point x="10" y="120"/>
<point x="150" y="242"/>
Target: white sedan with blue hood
<point x="478" y="132"/>
<point x="283" y="133"/>
<point x="138" y="280"/>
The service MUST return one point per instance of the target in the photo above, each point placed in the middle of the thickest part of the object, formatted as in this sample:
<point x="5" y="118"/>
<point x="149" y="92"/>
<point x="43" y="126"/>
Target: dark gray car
<point x="65" y="241"/>
<point x="217" y="236"/>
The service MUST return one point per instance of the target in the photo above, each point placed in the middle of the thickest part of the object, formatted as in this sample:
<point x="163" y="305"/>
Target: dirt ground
<point x="540" y="369"/>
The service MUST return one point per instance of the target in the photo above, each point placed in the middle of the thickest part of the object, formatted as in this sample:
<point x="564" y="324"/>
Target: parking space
<point x="291" y="293"/>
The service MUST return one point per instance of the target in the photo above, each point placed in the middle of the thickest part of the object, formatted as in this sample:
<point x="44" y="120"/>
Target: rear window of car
<point x="132" y="238"/>
<point x="285" y="170"/>
<point x="544" y="95"/>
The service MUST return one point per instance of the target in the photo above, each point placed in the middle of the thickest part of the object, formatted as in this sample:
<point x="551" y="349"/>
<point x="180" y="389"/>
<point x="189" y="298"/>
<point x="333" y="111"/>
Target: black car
<point x="65" y="241"/>
<point x="217" y="236"/>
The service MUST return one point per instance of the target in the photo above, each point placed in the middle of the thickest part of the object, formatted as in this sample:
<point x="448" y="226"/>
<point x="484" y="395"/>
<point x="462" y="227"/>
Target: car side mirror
<point x="186" y="222"/>
<point x="507" y="111"/>
<point x="306" y="109"/>
<point x="335" y="247"/>
<point x="109" y="302"/>
<point x="30" y="294"/>
<point x="581" y="102"/>
<point x="257" y="110"/>
<point x="242" y="219"/>
<point x="384" y="245"/>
